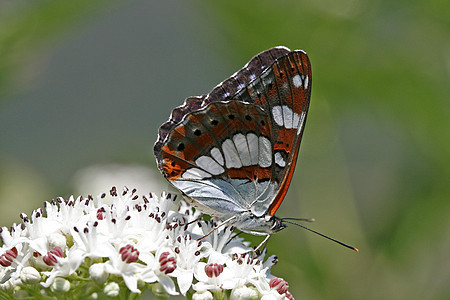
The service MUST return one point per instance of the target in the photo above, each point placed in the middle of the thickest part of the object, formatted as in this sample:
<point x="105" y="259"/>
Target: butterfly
<point x="232" y="152"/>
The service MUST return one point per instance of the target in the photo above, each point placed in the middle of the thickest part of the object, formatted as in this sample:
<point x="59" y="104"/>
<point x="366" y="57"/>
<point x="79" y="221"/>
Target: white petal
<point x="167" y="284"/>
<point x="184" y="280"/>
<point x="131" y="282"/>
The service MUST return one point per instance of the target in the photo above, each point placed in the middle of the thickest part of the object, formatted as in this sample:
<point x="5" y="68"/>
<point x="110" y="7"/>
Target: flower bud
<point x="112" y="289"/>
<point x="57" y="240"/>
<point x="7" y="287"/>
<point x="30" y="275"/>
<point x="60" y="285"/>
<point x="244" y="293"/>
<point x="98" y="273"/>
<point x="206" y="295"/>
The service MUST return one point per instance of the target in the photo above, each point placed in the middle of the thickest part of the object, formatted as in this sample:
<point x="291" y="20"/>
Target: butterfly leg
<point x="262" y="245"/>
<point x="215" y="228"/>
<point x="234" y="236"/>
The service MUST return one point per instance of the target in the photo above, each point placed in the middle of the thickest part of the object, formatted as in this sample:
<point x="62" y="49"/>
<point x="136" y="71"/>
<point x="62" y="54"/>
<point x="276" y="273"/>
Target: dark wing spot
<point x="173" y="164"/>
<point x="214" y="122"/>
<point x="231" y="117"/>
<point x="263" y="123"/>
<point x="198" y="132"/>
<point x="180" y="147"/>
<point x="248" y="117"/>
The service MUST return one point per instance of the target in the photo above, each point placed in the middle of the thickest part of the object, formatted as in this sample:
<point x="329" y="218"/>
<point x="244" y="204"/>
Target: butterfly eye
<point x="180" y="147"/>
<point x="197" y="132"/>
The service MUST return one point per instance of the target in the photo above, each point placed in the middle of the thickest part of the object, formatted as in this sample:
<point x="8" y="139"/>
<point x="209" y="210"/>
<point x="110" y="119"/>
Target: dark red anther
<point x="8" y="257"/>
<point x="129" y="254"/>
<point x="168" y="263"/>
<point x="51" y="258"/>
<point x="100" y="213"/>
<point x="280" y="285"/>
<point x="213" y="270"/>
<point x="113" y="191"/>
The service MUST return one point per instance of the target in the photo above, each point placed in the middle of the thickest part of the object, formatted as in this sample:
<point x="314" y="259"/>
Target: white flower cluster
<point x="89" y="248"/>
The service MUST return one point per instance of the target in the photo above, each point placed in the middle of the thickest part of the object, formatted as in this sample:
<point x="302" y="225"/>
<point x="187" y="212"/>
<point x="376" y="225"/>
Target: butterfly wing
<point x="284" y="91"/>
<point x="234" y="148"/>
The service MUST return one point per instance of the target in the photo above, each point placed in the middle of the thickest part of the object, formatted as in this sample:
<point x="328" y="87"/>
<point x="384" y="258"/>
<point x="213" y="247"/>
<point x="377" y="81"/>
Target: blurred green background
<point x="84" y="86"/>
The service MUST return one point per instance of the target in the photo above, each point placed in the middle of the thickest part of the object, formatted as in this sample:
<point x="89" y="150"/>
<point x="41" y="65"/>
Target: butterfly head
<point x="276" y="224"/>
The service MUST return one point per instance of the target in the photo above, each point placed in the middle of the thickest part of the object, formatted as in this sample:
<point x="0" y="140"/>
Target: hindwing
<point x="235" y="148"/>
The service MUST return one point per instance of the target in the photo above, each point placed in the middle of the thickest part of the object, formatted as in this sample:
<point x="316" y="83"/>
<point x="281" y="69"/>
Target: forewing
<point x="236" y="147"/>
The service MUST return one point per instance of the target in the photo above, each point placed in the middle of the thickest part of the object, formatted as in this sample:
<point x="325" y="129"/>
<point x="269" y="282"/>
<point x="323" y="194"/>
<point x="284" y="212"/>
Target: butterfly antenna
<point x="322" y="235"/>
<point x="300" y="219"/>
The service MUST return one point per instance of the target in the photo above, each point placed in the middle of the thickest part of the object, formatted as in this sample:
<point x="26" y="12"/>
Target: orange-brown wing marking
<point x="295" y="64"/>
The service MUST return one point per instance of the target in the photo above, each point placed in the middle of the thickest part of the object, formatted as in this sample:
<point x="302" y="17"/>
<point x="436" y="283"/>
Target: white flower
<point x="61" y="268"/>
<point x="275" y="288"/>
<point x="158" y="269"/>
<point x="123" y="263"/>
<point x="244" y="268"/>
<point x="12" y="261"/>
<point x="188" y="253"/>
<point x="211" y="275"/>
<point x="89" y="243"/>
<point x="134" y="241"/>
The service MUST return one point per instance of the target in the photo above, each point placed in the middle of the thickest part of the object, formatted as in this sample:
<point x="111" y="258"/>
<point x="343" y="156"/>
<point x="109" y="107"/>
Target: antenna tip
<point x="356" y="249"/>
